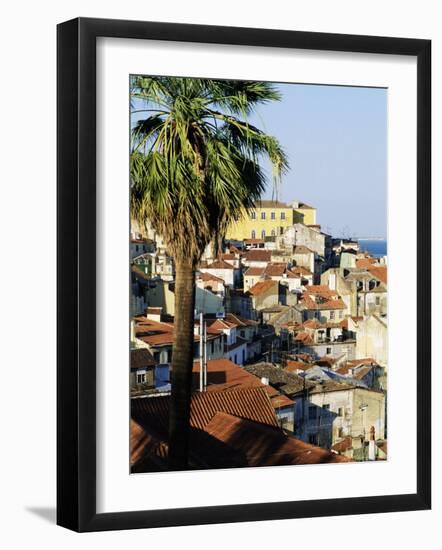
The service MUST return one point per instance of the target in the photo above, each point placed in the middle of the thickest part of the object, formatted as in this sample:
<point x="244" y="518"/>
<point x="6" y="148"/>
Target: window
<point x="136" y="247"/>
<point x="328" y="351"/>
<point x="263" y="215"/>
<point x="332" y="314"/>
<point x="340" y="411"/>
<point x="282" y="215"/>
<point x="312" y="413"/>
<point x="341" y="432"/>
<point x="253" y="215"/>
<point x="212" y="347"/>
<point x="341" y="314"/>
<point x="236" y="359"/>
<point x="378" y="301"/>
<point x="141" y="378"/>
<point x="313" y="439"/>
<point x="272" y="216"/>
<point x="326" y="406"/>
<point x="273" y="233"/>
<point x="263" y="234"/>
<point x="253" y="234"/>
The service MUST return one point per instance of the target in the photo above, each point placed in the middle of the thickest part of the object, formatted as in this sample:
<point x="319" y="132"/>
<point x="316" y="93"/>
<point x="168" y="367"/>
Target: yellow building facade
<point x="270" y="219"/>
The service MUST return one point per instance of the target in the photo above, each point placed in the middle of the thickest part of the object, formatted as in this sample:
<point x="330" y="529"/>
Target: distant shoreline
<point x="370" y="239"/>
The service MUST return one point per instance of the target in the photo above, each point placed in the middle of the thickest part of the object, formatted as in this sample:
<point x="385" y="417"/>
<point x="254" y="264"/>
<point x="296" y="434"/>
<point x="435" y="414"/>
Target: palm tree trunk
<point x="182" y="362"/>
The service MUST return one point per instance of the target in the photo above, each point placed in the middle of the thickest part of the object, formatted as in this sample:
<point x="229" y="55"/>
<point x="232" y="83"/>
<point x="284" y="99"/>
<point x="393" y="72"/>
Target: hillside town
<point x="290" y="346"/>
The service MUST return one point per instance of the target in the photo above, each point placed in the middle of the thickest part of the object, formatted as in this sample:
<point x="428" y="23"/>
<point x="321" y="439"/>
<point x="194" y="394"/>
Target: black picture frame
<point x="76" y="274"/>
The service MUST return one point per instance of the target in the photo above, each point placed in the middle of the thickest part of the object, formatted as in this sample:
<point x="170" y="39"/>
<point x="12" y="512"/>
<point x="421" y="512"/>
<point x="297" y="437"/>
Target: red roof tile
<point x="380" y="272"/>
<point x="364" y="263"/>
<point x="204" y="276"/>
<point x="254" y="272"/>
<point x="219" y="264"/>
<point x="297" y="365"/>
<point x="258" y="255"/>
<point x="250" y="403"/>
<point x="275" y="269"/>
<point x="223" y="375"/>
<point x="264" y="445"/>
<point x="141" y="358"/>
<point x="262" y="287"/>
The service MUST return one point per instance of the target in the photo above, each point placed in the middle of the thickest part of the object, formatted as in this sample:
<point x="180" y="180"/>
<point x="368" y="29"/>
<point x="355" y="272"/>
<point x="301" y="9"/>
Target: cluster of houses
<point x="290" y="346"/>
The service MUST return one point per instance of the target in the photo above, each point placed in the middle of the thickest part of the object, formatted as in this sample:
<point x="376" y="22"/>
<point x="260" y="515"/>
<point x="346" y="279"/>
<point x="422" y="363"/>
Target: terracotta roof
<point x="141" y="358"/>
<point x="147" y="452"/>
<point x="331" y="386"/>
<point x="364" y="263"/>
<point x="204" y="276"/>
<point x="264" y="445"/>
<point x="364" y="361"/>
<point x="254" y="272"/>
<point x="257" y="255"/>
<point x="275" y="269"/>
<point x="224" y="375"/>
<point x="326" y="361"/>
<point x="156" y="333"/>
<point x="228" y="441"/>
<point x="304" y="337"/>
<point x="219" y="264"/>
<point x="323" y="290"/>
<point x="298" y="271"/>
<point x="250" y="403"/>
<point x="281" y="401"/>
<point x="262" y="287"/>
<point x="380" y="272"/>
<point x="297" y="365"/>
<point x="343" y="445"/>
<point x="321" y="297"/>
<point x="316" y="324"/>
<point x="360" y="369"/>
<point x="287" y="382"/>
<point x="240" y="321"/>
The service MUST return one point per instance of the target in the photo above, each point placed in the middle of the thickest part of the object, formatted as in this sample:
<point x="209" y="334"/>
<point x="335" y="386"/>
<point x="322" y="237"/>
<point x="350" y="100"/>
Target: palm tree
<point x="194" y="168"/>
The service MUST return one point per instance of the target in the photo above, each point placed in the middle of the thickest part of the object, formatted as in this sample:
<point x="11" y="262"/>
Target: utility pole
<point x="205" y="355"/>
<point x="201" y="353"/>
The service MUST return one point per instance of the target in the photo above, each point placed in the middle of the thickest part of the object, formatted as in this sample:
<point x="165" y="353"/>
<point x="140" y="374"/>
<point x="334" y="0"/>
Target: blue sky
<point x="336" y="141"/>
<point x="335" y="138"/>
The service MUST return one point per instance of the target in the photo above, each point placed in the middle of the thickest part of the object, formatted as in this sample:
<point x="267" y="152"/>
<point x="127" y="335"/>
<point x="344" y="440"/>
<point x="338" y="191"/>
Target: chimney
<point x="265" y="380"/>
<point x="372" y="445"/>
<point x="154" y="314"/>
<point x="132" y="332"/>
